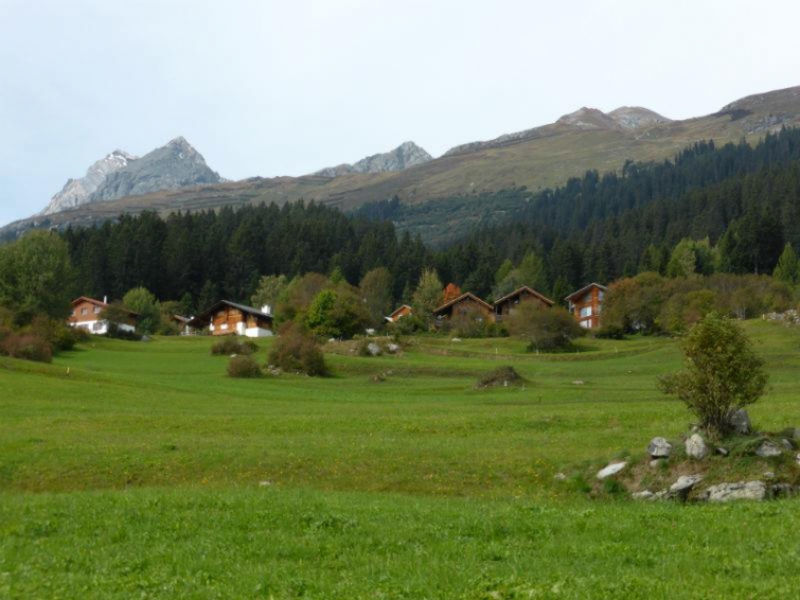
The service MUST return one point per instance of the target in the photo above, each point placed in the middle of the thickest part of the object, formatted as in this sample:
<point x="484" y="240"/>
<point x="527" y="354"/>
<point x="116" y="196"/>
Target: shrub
<point x="298" y="352"/>
<point x="232" y="345"/>
<point x="547" y="329"/>
<point x="407" y="325"/>
<point x="723" y="373"/>
<point x="114" y="331"/>
<point x="471" y="323"/>
<point x="243" y="366"/>
<point x="337" y="313"/>
<point x="610" y="332"/>
<point x="28" y="346"/>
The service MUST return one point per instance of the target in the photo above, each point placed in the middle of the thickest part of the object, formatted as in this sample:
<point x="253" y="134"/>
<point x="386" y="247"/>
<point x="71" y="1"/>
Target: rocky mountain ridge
<point x="406" y="155"/>
<point x="172" y="166"/>
<point x="532" y="159"/>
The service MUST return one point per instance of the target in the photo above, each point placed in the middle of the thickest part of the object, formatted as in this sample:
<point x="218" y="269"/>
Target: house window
<point x="586" y="311"/>
<point x="600" y="295"/>
<point x="97" y="310"/>
<point x="84" y="311"/>
<point x="223" y="326"/>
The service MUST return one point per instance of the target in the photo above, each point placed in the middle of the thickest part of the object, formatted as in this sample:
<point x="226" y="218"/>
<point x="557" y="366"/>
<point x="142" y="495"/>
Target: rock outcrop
<point x="173" y="166"/>
<point x="77" y="191"/>
<point x="725" y="492"/>
<point x="696" y="447"/>
<point x="406" y="155"/>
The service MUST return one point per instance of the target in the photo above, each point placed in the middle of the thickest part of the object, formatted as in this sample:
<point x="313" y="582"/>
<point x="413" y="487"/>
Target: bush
<point x="547" y="329"/>
<point x="408" y="325"/>
<point x="114" y="331"/>
<point x="28" y="346"/>
<point x="471" y="323"/>
<point x="233" y="345"/>
<point x="610" y="332"/>
<point x="243" y="366"/>
<point x="723" y="373"/>
<point x="296" y="351"/>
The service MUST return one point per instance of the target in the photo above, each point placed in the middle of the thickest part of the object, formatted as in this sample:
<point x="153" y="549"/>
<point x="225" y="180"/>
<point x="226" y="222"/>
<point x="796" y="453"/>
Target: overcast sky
<point x="287" y="87"/>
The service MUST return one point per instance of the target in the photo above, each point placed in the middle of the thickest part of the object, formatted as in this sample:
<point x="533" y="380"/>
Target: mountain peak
<point x="588" y="118"/>
<point x="633" y="117"/>
<point x="407" y="154"/>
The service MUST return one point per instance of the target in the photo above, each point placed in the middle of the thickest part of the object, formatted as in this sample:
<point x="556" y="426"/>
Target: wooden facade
<point x="505" y="305"/>
<point x="465" y="304"/>
<point x="586" y="305"/>
<point x="87" y="314"/>
<point x="229" y="318"/>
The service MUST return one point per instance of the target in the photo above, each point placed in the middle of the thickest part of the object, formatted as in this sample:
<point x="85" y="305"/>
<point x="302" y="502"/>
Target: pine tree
<point x="788" y="267"/>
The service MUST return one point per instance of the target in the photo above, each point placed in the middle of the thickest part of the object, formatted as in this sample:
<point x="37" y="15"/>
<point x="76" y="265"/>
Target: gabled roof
<point x="242" y="307"/>
<point x="519" y="291"/>
<point x="398" y="309"/>
<point x="464" y="296"/>
<point x="584" y="289"/>
<point x="101" y="304"/>
<point x="89" y="300"/>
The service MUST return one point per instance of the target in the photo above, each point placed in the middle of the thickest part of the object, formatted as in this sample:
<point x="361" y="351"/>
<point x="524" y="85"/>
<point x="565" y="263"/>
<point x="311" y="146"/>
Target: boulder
<point x="373" y="349"/>
<point x="392" y="348"/>
<point x="659" y="447"/>
<point x="696" y="447"/>
<point x="611" y="469"/>
<point x="726" y="492"/>
<point x="722" y="451"/>
<point x="740" y="422"/>
<point x="643" y="495"/>
<point x="684" y="485"/>
<point x="768" y="449"/>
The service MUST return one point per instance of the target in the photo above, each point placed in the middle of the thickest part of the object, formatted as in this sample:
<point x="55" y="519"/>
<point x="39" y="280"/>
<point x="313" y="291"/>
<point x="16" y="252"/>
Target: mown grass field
<point x="141" y="470"/>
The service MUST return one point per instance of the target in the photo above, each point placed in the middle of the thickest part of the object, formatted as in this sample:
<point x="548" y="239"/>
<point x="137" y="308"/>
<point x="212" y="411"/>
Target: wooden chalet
<point x="464" y="304"/>
<point x="506" y="305"/>
<point x="87" y="314"/>
<point x="228" y="318"/>
<point x="399" y="313"/>
<point x="184" y="324"/>
<point x="586" y="304"/>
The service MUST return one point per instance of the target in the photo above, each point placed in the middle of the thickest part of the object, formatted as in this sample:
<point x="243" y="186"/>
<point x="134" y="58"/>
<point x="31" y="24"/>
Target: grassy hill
<point x="141" y="469"/>
<point x="535" y="159"/>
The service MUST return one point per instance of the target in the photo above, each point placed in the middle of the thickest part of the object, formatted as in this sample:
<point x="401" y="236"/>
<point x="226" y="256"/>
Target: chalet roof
<point x="462" y="297"/>
<point x="181" y="318"/>
<point x="101" y="304"/>
<point x="89" y="300"/>
<point x="584" y="289"/>
<point x="519" y="291"/>
<point x="242" y="307"/>
<point x="398" y="309"/>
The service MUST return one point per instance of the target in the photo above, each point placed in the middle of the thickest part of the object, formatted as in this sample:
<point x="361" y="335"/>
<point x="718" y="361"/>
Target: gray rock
<point x="611" y="469"/>
<point x="722" y="451"/>
<point x="768" y="475"/>
<point x="643" y="495"/>
<point x="374" y="349"/>
<point x="787" y="444"/>
<point x="740" y="422"/>
<point x="560" y="477"/>
<point x="392" y="348"/>
<point x="77" y="191"/>
<point x="696" y="447"/>
<point x="173" y="166"/>
<point x="578" y="382"/>
<point x="659" y="447"/>
<point x="768" y="449"/>
<point x="726" y="492"/>
<point x="782" y="490"/>
<point x="662" y="495"/>
<point x="406" y="155"/>
<point x="684" y="485"/>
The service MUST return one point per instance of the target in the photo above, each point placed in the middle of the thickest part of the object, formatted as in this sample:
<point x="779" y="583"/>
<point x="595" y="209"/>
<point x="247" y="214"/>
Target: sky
<point x="288" y="87"/>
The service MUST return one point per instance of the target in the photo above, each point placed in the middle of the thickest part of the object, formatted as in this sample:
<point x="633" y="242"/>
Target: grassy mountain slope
<point x="535" y="159"/>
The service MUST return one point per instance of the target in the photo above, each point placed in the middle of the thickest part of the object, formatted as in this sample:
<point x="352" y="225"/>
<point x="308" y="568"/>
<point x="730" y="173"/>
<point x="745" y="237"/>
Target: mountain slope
<point x="77" y="191"/>
<point x="535" y="159"/>
<point x="405" y="155"/>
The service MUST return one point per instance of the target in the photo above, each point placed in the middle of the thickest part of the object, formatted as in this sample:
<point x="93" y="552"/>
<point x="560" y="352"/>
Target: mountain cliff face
<point x="170" y="167"/>
<point x="77" y="191"/>
<point x="119" y="174"/>
<point x="405" y="155"/>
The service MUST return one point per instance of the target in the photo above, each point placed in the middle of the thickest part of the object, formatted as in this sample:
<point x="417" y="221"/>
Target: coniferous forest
<point x="728" y="209"/>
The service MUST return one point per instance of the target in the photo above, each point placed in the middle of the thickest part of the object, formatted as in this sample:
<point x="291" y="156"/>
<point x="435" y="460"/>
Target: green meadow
<point x="139" y="469"/>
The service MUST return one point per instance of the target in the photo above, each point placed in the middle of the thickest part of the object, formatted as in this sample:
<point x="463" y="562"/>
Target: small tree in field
<point x="546" y="329"/>
<point x="723" y="373"/>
